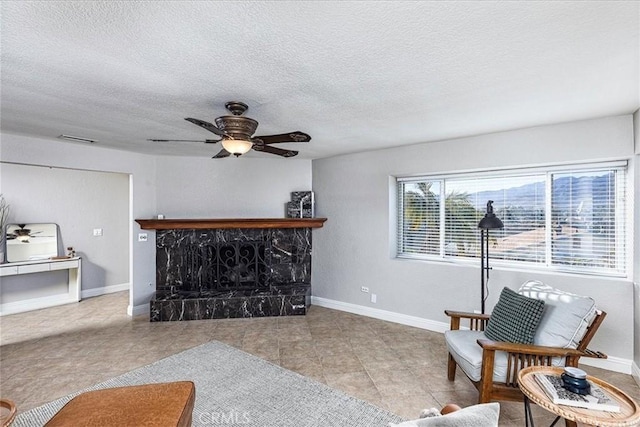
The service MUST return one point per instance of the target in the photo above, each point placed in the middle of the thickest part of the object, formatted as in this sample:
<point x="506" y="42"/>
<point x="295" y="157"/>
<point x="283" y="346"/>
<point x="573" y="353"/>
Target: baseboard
<point x="138" y="310"/>
<point x="35" y="304"/>
<point x="403" y="319"/>
<point x="635" y="372"/>
<point x="88" y="293"/>
<point x="612" y="363"/>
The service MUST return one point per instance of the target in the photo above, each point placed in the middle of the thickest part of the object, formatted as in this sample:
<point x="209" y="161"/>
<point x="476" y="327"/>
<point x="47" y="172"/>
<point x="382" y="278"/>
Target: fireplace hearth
<point x="214" y="273"/>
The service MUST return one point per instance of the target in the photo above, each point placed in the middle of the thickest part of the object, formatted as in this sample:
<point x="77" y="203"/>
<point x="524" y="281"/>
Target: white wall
<point x="78" y="201"/>
<point x="142" y="170"/>
<point x="353" y="248"/>
<point x="196" y="187"/>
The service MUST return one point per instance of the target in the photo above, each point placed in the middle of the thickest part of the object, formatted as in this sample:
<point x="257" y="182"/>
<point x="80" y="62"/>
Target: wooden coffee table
<point x="629" y="414"/>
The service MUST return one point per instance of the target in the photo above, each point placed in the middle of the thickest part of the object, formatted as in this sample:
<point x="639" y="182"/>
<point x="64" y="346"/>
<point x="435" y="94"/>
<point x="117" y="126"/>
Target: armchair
<point x="568" y="324"/>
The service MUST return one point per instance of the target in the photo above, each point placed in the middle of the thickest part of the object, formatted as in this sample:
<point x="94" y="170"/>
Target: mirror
<point x="28" y="242"/>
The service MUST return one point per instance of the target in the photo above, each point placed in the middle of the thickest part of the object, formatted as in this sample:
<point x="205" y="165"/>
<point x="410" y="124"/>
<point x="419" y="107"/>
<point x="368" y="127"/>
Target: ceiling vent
<point x="78" y="139"/>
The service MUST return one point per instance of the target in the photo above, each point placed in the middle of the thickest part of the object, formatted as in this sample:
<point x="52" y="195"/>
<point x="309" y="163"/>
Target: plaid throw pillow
<point x="515" y="318"/>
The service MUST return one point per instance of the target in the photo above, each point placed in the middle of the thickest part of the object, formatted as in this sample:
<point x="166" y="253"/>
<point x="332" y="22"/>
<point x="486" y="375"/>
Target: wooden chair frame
<point x="519" y="356"/>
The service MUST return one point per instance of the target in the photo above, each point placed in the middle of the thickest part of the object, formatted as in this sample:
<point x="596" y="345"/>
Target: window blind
<point x="569" y="218"/>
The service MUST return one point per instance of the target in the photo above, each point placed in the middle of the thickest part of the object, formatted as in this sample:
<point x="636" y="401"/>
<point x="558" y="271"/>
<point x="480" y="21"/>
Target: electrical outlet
<point x="142" y="237"/>
<point x="97" y="231"/>
<point x="364" y="289"/>
<point x="374" y="298"/>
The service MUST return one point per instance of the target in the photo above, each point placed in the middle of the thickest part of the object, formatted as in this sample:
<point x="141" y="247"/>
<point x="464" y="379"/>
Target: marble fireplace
<point x="216" y="269"/>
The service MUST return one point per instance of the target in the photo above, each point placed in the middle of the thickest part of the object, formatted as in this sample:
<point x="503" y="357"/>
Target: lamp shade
<point x="490" y="220"/>
<point x="237" y="146"/>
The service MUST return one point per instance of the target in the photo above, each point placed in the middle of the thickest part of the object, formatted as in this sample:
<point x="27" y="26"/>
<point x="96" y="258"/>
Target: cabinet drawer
<point x="32" y="268"/>
<point x="9" y="270"/>
<point x="64" y="265"/>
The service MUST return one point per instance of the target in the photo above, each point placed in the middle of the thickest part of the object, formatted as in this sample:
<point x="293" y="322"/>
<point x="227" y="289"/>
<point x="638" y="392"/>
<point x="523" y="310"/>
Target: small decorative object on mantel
<point x="302" y="205"/>
<point x="71" y="253"/>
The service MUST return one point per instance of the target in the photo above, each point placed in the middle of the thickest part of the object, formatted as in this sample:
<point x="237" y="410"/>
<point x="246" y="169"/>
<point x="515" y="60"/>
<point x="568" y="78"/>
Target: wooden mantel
<point x="172" y="224"/>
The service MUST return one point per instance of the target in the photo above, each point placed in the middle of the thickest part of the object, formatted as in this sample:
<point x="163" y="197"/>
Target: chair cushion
<point x="464" y="348"/>
<point x="565" y="318"/>
<point x="484" y="414"/>
<point x="515" y="318"/>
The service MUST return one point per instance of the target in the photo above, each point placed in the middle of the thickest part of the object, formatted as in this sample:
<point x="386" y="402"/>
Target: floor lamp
<point x="489" y="222"/>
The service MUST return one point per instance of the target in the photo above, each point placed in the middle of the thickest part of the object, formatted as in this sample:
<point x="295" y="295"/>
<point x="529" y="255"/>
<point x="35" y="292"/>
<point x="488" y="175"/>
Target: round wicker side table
<point x="628" y="416"/>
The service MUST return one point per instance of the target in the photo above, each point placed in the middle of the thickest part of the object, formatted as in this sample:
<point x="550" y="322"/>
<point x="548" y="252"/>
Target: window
<point x="570" y="218"/>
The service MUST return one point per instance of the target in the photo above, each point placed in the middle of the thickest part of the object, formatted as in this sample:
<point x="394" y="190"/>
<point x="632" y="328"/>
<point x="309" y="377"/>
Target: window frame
<point x="623" y="217"/>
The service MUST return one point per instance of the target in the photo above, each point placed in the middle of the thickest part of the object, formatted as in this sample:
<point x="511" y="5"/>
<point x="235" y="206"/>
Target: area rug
<point x="236" y="388"/>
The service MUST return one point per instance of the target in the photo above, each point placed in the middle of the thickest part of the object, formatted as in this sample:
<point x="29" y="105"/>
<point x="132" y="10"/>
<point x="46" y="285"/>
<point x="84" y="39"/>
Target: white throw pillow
<point x="565" y="318"/>
<point x="485" y="415"/>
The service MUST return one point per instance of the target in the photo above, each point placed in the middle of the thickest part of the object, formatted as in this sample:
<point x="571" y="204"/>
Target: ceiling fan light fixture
<point x="236" y="146"/>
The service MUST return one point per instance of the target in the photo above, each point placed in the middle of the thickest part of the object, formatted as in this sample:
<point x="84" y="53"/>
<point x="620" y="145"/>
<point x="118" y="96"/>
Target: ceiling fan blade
<point x="222" y="154"/>
<point x="296" y="136"/>
<point x="207" y="141"/>
<point x="274" y="150"/>
<point x="206" y="125"/>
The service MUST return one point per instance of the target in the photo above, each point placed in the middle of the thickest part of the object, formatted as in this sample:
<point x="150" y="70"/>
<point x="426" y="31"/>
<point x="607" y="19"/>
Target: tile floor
<point x="49" y="353"/>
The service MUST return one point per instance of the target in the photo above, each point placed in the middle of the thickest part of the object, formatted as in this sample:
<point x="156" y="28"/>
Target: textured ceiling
<point x="355" y="75"/>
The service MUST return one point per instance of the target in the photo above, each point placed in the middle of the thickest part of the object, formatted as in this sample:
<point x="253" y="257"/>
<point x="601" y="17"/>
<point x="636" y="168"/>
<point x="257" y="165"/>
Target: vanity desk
<point x="74" y="267"/>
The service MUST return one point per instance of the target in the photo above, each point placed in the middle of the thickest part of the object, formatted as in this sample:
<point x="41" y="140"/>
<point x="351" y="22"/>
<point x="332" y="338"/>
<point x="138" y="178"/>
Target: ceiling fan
<point x="236" y="130"/>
